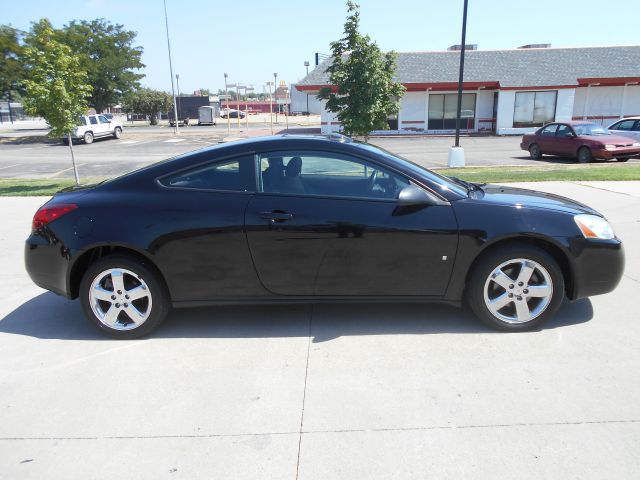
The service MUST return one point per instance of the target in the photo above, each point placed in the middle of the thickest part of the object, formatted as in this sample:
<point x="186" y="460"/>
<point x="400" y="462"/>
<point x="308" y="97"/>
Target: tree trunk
<point x="153" y="119"/>
<point x="73" y="159"/>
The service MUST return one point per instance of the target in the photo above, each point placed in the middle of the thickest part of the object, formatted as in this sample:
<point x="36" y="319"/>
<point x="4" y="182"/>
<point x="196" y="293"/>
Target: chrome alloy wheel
<point x="518" y="290"/>
<point x="120" y="299"/>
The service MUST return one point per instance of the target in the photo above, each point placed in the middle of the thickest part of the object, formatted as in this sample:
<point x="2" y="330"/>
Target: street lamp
<point x="306" y="64"/>
<point x="178" y="87"/>
<point x="456" y="153"/>
<point x="175" y="105"/>
<point x="275" y="89"/>
<point x="226" y="94"/>
<point x="270" y="107"/>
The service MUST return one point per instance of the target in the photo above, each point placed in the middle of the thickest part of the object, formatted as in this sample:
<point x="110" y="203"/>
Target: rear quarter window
<point x="236" y="175"/>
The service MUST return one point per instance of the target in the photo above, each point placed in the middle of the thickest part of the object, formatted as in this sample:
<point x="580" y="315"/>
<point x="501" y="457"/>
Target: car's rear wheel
<point x="124" y="297"/>
<point x="117" y="132"/>
<point x="619" y="159"/>
<point x="534" y="152"/>
<point x="88" y="137"/>
<point x="585" y="155"/>
<point x="515" y="288"/>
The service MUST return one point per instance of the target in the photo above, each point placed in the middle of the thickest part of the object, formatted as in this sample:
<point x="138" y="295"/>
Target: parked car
<point x="627" y="127"/>
<point x="582" y="140"/>
<point x="183" y="121"/>
<point x="308" y="219"/>
<point x="232" y="114"/>
<point x="95" y="126"/>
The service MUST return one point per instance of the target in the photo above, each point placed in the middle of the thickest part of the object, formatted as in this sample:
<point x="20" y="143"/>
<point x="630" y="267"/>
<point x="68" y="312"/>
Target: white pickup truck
<point x="95" y="126"/>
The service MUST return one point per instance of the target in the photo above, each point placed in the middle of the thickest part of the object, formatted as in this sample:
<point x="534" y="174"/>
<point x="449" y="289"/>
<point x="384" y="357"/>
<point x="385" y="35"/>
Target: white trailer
<point x="206" y="115"/>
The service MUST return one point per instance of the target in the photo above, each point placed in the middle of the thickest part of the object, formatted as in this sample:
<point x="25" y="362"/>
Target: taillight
<point x="47" y="214"/>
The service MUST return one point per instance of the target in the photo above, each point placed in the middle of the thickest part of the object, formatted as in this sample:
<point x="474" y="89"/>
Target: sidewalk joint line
<point x="304" y="393"/>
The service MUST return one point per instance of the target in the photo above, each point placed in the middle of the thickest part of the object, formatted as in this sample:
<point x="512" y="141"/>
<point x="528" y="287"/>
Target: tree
<point x="108" y="55"/>
<point x="56" y="87"/>
<point x="12" y="72"/>
<point x="147" y="101"/>
<point x="364" y="94"/>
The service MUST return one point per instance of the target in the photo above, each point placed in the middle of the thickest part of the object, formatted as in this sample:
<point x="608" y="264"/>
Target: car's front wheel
<point x="88" y="137"/>
<point x="534" y="152"/>
<point x="622" y="159"/>
<point x="585" y="155"/>
<point x="515" y="288"/>
<point x="124" y="297"/>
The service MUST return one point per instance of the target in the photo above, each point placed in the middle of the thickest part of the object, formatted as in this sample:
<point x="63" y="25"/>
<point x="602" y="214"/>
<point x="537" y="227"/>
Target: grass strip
<point x="607" y="172"/>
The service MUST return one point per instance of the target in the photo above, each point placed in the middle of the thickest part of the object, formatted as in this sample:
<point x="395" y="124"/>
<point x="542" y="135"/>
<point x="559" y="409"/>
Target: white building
<point x="507" y="91"/>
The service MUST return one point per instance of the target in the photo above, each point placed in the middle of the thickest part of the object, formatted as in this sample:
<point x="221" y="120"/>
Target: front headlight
<point x="593" y="226"/>
<point x="609" y="147"/>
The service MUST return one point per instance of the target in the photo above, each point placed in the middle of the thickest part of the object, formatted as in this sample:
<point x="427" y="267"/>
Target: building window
<point x="443" y="110"/>
<point x="534" y="109"/>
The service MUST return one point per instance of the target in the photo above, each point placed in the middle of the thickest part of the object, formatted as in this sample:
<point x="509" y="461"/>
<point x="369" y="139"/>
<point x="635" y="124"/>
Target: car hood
<point x="610" y="139"/>
<point x="503" y="195"/>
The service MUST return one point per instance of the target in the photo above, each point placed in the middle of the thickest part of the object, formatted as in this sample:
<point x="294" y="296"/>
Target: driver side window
<point x="327" y="174"/>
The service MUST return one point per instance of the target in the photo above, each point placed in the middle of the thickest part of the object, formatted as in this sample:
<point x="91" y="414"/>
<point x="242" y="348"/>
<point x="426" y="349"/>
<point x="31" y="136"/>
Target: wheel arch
<point x="95" y="253"/>
<point x="547" y="244"/>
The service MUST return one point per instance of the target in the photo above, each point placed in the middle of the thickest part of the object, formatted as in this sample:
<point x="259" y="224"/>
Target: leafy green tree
<point x="12" y="72"/>
<point x="205" y="91"/>
<point x="56" y="87"/>
<point x="108" y="55"/>
<point x="147" y="101"/>
<point x="364" y="93"/>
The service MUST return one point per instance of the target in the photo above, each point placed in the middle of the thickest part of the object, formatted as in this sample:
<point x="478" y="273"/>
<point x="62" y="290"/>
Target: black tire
<point x="65" y="141"/>
<point x="117" y="132"/>
<point x="584" y="155"/>
<point x="622" y="159"/>
<point x="158" y="302"/>
<point x="534" y="151"/>
<point x="479" y="279"/>
<point x="88" y="138"/>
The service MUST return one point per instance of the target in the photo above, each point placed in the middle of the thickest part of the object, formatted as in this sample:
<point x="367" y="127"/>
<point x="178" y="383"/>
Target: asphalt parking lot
<point x="323" y="391"/>
<point x="108" y="157"/>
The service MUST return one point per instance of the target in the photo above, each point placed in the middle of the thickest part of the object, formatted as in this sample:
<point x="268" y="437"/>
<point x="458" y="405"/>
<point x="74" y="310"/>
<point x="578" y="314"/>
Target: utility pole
<point x="275" y="89"/>
<point x="226" y="94"/>
<point x="456" y="153"/>
<point x="270" y="107"/>
<point x="176" y="130"/>
<point x="306" y="64"/>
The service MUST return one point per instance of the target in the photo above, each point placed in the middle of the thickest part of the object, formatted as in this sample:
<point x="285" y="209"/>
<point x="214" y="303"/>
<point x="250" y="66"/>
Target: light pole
<point x="238" y="87"/>
<point x="173" y="92"/>
<point x="275" y="89"/>
<point x="456" y="153"/>
<point x="248" y="88"/>
<point x="306" y="64"/>
<point x="226" y="94"/>
<point x="178" y="98"/>
<point x="270" y="107"/>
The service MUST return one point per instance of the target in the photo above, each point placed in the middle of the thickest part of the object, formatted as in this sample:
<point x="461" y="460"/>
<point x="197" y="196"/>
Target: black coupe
<point x="314" y="219"/>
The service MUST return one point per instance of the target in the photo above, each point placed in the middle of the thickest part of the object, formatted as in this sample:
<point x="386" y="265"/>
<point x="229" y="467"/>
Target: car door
<point x="200" y="244"/>
<point x="547" y="139"/>
<point x="566" y="143"/>
<point x="94" y="125"/>
<point x="327" y="224"/>
<point x="105" y="125"/>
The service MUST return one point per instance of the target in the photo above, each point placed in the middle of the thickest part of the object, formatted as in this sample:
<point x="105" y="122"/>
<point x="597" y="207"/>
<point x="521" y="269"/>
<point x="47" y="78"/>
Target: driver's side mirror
<point x="412" y="195"/>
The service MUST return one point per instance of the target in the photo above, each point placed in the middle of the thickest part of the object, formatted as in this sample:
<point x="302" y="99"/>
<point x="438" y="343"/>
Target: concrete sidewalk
<point x="322" y="392"/>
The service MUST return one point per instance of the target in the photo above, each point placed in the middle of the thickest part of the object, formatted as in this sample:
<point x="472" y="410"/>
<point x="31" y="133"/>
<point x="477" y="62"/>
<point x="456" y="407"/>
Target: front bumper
<point x="620" y="153"/>
<point x="598" y="266"/>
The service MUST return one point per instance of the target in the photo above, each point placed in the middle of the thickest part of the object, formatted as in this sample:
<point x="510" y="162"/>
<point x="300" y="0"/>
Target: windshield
<point x="444" y="182"/>
<point x="590" y="129"/>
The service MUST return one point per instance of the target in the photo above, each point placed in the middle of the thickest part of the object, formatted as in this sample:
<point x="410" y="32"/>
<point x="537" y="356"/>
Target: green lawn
<point x="23" y="187"/>
<point x="611" y="171"/>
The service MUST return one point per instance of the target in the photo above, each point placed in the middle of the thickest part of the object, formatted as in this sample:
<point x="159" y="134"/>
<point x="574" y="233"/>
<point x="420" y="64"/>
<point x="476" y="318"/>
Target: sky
<point x="251" y="40"/>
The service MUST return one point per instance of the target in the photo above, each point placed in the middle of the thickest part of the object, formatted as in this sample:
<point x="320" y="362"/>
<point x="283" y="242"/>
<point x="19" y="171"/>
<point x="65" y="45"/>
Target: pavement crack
<point x="584" y="184"/>
<point x="304" y="393"/>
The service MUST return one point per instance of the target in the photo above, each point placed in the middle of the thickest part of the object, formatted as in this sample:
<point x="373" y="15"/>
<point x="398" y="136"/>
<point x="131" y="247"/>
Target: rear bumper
<point x="597" y="267"/>
<point x="47" y="263"/>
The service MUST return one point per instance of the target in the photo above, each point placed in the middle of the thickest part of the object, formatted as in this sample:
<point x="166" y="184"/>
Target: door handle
<point x="276" y="216"/>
